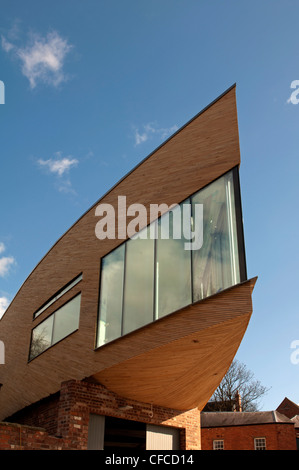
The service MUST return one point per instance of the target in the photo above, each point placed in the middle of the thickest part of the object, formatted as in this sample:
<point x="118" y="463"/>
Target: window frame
<point x="52" y="330"/>
<point x="256" y="444"/>
<point x="66" y="288"/>
<point x="216" y="442"/>
<point x="239" y="223"/>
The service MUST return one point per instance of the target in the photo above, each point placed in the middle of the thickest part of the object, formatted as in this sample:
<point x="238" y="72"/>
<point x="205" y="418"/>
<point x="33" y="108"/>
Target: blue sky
<point x="91" y="88"/>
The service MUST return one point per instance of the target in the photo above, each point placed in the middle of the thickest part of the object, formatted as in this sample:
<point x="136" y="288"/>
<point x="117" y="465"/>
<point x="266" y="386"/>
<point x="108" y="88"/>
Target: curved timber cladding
<point x="179" y="361"/>
<point x="200" y="152"/>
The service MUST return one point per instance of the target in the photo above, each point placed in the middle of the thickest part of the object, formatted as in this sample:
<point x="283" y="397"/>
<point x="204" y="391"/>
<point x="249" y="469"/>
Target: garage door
<point x="162" y="438"/>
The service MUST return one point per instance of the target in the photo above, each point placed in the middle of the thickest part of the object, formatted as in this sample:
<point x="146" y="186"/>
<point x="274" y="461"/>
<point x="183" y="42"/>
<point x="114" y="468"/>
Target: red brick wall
<point x="278" y="436"/>
<point x="79" y="399"/>
<point x="67" y="416"/>
<point x="43" y="414"/>
<point x="21" y="437"/>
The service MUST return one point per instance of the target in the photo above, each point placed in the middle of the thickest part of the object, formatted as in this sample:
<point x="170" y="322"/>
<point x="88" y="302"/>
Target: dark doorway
<point x="124" y="434"/>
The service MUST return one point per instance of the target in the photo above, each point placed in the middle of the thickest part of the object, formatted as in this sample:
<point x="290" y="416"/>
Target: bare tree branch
<point x="238" y="380"/>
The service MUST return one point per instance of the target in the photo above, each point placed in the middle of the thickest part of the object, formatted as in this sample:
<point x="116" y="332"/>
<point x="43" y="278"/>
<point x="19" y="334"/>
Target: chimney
<point x="238" y="404"/>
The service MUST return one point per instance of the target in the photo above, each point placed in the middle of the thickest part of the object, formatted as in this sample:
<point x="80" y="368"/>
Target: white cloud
<point x="4" y="303"/>
<point x="42" y="59"/>
<point x="140" y="138"/>
<point x="150" y="129"/>
<point x="6" y="45"/>
<point x="65" y="186"/>
<point x="58" y="166"/>
<point x="5" y="263"/>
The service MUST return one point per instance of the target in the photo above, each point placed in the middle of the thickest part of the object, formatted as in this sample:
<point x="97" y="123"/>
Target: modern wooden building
<point x="132" y="335"/>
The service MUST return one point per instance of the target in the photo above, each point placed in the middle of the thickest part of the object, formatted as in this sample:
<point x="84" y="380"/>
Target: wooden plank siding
<point x="179" y="361"/>
<point x="200" y="152"/>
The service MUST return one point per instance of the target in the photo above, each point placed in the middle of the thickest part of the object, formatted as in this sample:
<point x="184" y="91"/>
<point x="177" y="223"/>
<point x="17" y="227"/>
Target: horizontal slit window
<point x="57" y="296"/>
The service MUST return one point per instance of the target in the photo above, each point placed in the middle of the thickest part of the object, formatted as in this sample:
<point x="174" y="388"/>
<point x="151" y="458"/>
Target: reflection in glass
<point x="66" y="319"/>
<point x="56" y="327"/>
<point x="216" y="264"/>
<point x="111" y="298"/>
<point x="173" y="266"/>
<point x="41" y="337"/>
<point x="139" y="282"/>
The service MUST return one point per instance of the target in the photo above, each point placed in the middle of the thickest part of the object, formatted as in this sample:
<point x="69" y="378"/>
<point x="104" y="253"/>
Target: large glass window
<point x="173" y="264"/>
<point x="56" y="327"/>
<point x="41" y="337"/>
<point x="111" y="299"/>
<point x="139" y="283"/>
<point x="216" y="264"/>
<point x="66" y="319"/>
<point x="197" y="251"/>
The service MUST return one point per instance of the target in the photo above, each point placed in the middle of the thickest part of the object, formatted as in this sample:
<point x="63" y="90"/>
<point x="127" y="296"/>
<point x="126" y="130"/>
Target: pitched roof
<point x="288" y="408"/>
<point x="230" y="418"/>
<point x="295" y="420"/>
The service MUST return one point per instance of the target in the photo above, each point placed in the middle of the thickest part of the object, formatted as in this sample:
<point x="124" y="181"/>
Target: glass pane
<point x="66" y="319"/>
<point x="111" y="299"/>
<point x="216" y="263"/>
<point x="41" y="337"/>
<point x="173" y="266"/>
<point x="139" y="282"/>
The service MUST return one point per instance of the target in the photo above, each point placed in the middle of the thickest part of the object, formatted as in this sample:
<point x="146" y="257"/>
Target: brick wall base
<point x="21" y="437"/>
<point x="63" y="419"/>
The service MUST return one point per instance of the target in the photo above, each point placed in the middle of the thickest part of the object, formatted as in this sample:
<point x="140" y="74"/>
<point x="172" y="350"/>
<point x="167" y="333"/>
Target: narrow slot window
<point x="58" y="295"/>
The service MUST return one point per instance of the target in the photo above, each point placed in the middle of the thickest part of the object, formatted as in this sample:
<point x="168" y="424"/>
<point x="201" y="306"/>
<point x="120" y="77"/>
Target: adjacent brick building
<point x="291" y="410"/>
<point x="264" y="430"/>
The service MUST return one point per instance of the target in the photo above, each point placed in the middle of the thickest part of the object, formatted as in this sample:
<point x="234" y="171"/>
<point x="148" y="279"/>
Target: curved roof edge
<point x="119" y="181"/>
